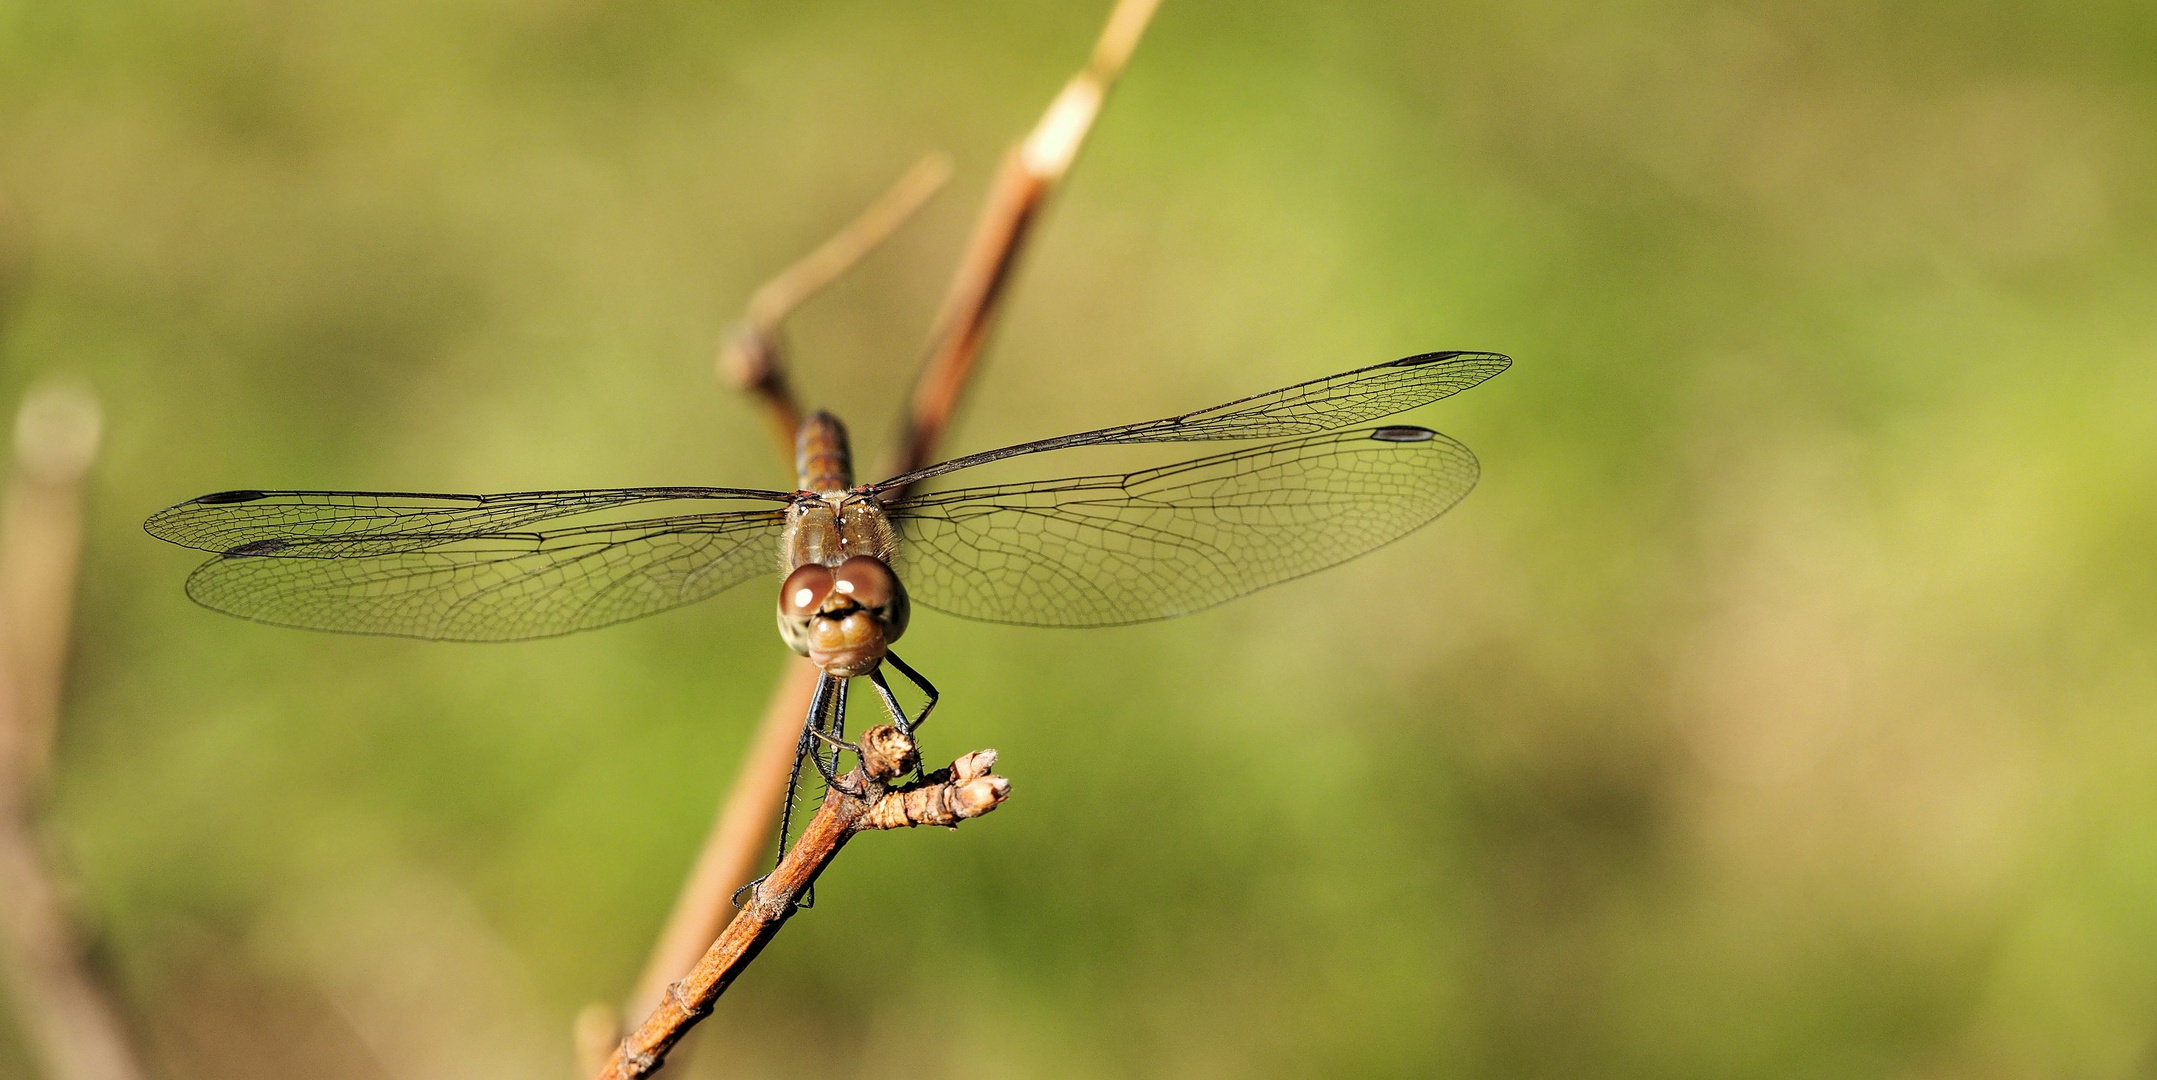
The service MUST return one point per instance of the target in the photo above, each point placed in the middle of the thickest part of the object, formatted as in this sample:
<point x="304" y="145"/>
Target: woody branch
<point x="863" y="802"/>
<point x="752" y="359"/>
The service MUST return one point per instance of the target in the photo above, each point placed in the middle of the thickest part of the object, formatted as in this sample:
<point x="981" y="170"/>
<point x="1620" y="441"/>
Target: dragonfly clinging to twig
<point x="1314" y="489"/>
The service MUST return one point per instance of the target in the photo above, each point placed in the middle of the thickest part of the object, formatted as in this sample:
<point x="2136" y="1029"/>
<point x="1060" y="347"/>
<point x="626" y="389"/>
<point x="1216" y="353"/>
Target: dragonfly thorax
<point x="831" y="527"/>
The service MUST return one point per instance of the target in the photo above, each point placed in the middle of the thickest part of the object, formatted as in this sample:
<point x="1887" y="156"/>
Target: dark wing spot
<point x="1403" y="434"/>
<point x="245" y="495"/>
<point x="257" y="547"/>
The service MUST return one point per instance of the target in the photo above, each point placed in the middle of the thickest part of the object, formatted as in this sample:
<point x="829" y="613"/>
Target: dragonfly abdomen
<point x="822" y="460"/>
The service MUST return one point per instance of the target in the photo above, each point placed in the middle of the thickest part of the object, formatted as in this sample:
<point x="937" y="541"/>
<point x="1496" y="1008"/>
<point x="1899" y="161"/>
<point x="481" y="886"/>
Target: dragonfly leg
<point x="829" y="770"/>
<point x="891" y="703"/>
<point x="898" y="712"/>
<point x="818" y="702"/>
<point x="914" y="677"/>
<point x="837" y="744"/>
<point x="806" y="747"/>
<point x="837" y="739"/>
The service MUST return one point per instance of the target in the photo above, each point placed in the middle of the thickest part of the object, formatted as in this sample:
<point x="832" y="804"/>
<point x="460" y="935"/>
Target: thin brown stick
<point x="1028" y="175"/>
<point x="966" y="789"/>
<point x="741" y="838"/>
<point x="752" y="359"/>
<point x="751" y="353"/>
<point x="74" y="1029"/>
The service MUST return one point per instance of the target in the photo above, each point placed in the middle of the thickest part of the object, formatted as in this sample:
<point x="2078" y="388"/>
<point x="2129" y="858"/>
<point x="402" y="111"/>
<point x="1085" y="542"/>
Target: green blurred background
<point x="1780" y="704"/>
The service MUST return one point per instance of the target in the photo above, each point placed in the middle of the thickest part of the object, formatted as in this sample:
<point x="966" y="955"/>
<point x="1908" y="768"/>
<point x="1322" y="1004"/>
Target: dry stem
<point x="946" y="797"/>
<point x="74" y="1029"/>
<point x="1027" y="177"/>
<point x="740" y="838"/>
<point x="751" y="360"/>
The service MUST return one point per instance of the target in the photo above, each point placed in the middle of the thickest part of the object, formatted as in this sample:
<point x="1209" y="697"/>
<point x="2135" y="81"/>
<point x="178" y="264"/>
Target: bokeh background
<point x="1780" y="705"/>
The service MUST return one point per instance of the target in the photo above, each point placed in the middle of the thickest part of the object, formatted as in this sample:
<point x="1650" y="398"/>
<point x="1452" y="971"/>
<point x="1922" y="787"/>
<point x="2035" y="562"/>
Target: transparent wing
<point x="1328" y="404"/>
<point x="334" y="524"/>
<point x="467" y="567"/>
<point x="1103" y="550"/>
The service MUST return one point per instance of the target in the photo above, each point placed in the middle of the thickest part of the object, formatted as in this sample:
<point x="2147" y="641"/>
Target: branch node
<point x="749" y="359"/>
<point x="687" y="1005"/>
<point x="946" y="797"/>
<point x="751" y="354"/>
<point x="887" y="752"/>
<point x="637" y="1065"/>
<point x="975" y="765"/>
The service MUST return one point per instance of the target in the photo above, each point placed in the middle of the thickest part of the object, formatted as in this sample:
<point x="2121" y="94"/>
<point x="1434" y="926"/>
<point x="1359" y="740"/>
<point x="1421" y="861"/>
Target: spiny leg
<point x="891" y="703"/>
<point x="829" y="770"/>
<point x="815" y="733"/>
<point x="916" y="678"/>
<point x="837" y="742"/>
<point x="898" y="712"/>
<point x="818" y="702"/>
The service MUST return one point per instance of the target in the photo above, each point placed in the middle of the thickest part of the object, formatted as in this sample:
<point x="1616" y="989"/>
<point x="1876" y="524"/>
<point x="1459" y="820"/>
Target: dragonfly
<point x="1313" y="489"/>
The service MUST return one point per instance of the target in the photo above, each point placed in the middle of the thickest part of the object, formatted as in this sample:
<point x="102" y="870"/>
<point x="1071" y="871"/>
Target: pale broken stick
<point x="861" y="803"/>
<point x="750" y="354"/>
<point x="71" y="1024"/>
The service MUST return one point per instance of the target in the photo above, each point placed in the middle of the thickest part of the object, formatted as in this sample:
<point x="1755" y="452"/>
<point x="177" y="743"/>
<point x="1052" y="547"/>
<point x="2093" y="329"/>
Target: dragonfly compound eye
<point x="866" y="581"/>
<point x="805" y="591"/>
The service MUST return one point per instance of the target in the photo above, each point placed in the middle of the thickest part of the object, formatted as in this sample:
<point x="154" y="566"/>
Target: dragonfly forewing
<point x="1307" y="408"/>
<point x="469" y="567"/>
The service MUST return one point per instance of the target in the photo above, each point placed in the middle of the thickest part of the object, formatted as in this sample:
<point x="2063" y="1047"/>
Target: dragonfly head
<point x="845" y="617"/>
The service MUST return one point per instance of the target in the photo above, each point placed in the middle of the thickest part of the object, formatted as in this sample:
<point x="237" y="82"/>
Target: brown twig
<point x="751" y="360"/>
<point x="751" y="353"/>
<point x="1027" y="177"/>
<point x="741" y="837"/>
<point x="946" y="797"/>
<point x="74" y="1029"/>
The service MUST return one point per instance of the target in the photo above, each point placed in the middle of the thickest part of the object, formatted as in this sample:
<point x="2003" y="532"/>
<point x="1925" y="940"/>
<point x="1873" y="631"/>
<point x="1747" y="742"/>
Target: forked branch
<point x="752" y="359"/>
<point x="862" y="803"/>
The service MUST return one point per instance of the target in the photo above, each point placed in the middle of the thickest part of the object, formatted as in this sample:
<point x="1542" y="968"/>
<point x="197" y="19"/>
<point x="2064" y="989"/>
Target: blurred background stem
<point x="1780" y="702"/>
<point x="73" y="1025"/>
